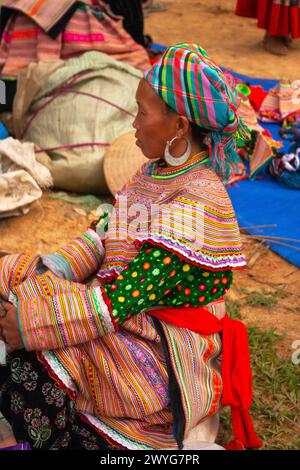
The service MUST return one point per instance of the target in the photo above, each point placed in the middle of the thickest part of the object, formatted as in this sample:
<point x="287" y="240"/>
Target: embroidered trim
<point x="189" y="256"/>
<point x="100" y="425"/>
<point x="105" y="315"/>
<point x="57" y="372"/>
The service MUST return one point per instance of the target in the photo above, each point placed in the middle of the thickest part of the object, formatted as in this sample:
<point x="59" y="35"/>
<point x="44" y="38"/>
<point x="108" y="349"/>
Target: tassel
<point x="222" y="146"/>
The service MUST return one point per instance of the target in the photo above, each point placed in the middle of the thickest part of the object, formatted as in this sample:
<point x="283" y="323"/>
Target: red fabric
<point x="236" y="370"/>
<point x="257" y="96"/>
<point x="278" y="20"/>
<point x="295" y="22"/>
<point x="247" y="8"/>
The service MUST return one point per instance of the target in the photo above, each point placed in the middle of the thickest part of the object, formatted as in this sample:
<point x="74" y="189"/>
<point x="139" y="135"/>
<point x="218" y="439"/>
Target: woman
<point x="280" y="19"/>
<point x="131" y="358"/>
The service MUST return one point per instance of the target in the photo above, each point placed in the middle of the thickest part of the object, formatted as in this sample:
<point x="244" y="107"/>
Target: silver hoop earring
<point x="176" y="161"/>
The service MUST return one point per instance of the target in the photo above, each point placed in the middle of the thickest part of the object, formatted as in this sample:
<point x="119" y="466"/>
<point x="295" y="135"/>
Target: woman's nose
<point x="134" y="124"/>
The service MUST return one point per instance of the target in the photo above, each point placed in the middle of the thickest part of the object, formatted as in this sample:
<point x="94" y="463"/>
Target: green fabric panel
<point x="157" y="276"/>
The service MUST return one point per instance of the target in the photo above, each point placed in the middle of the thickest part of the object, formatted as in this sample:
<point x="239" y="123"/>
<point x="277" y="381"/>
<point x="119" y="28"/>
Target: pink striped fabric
<point x="23" y="41"/>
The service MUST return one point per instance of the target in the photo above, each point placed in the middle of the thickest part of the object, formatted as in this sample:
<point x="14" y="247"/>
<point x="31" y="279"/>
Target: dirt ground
<point x="235" y="43"/>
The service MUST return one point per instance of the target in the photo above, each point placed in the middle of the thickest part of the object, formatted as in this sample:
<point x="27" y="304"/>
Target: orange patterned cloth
<point x="26" y="38"/>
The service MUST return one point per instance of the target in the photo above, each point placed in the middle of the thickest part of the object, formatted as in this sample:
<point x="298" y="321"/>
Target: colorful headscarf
<point x="193" y="85"/>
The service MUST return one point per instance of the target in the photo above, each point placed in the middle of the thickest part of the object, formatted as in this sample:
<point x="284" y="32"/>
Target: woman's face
<point x="154" y="125"/>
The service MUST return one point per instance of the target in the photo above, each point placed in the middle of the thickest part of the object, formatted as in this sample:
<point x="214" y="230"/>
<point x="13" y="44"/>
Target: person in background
<point x="280" y="19"/>
<point x="132" y="12"/>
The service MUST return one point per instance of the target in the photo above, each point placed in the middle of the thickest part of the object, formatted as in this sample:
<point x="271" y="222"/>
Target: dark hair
<point x="198" y="132"/>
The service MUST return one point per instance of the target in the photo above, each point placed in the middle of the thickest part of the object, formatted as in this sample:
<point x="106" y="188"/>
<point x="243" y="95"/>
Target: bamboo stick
<point x="272" y="237"/>
<point x="279" y="243"/>
<point x="258" y="226"/>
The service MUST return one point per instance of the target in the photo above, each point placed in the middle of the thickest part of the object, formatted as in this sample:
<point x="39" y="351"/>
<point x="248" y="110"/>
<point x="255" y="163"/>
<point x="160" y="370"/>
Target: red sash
<point x="236" y="369"/>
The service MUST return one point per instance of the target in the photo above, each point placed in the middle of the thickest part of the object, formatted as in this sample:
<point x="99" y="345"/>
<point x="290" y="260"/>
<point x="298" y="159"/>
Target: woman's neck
<point x="196" y="149"/>
<point x="161" y="170"/>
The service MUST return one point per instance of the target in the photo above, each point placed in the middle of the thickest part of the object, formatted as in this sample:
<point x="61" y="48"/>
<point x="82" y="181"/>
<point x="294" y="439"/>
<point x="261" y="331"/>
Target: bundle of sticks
<point x="271" y="238"/>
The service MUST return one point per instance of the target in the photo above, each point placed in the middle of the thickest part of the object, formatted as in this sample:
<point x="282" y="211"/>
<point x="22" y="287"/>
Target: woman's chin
<point x="144" y="151"/>
<point x="138" y="144"/>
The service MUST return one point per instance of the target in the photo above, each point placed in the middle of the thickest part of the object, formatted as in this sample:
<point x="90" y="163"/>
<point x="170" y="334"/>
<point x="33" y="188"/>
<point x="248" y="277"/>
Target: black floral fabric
<point x="39" y="411"/>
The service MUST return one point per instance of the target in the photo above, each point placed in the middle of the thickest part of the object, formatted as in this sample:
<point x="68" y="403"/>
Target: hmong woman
<point x="280" y="19"/>
<point x="114" y="341"/>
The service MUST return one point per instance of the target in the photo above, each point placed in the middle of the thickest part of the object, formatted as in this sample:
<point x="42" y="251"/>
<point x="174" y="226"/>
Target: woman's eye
<point x="140" y="110"/>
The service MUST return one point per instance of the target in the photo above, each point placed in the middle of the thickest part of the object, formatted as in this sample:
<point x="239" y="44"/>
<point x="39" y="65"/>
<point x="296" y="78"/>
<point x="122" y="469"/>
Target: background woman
<point x="280" y="19"/>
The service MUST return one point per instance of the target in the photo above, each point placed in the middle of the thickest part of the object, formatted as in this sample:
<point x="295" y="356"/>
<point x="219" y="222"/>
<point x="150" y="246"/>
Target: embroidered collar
<point x="159" y="170"/>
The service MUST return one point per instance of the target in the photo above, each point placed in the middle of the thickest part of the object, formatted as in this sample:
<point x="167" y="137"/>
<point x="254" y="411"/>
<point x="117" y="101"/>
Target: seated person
<point x="114" y="340"/>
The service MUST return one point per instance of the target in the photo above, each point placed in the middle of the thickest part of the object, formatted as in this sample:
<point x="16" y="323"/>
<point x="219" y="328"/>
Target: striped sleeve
<point x="79" y="259"/>
<point x="14" y="269"/>
<point x="56" y="313"/>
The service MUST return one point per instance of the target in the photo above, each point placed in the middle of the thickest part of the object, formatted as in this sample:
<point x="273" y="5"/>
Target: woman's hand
<point x="9" y="327"/>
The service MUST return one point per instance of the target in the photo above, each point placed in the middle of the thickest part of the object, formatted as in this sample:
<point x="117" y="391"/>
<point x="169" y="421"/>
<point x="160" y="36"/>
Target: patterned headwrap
<point x="194" y="86"/>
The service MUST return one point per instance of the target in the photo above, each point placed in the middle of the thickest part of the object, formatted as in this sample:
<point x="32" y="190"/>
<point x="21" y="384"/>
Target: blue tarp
<point x="265" y="201"/>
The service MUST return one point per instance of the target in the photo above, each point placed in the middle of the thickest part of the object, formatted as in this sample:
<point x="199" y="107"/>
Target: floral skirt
<point x="38" y="411"/>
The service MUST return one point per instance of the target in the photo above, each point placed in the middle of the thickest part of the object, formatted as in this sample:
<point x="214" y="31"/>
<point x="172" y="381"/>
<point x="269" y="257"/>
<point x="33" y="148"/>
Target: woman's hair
<point x="198" y="132"/>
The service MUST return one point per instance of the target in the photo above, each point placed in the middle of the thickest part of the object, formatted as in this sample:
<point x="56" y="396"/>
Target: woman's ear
<point x="183" y="126"/>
